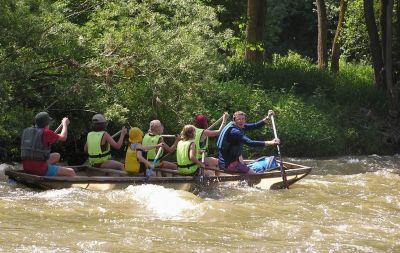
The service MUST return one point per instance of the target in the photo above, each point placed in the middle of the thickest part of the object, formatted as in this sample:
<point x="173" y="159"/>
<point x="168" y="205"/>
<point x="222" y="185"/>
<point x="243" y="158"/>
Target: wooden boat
<point x="107" y="179"/>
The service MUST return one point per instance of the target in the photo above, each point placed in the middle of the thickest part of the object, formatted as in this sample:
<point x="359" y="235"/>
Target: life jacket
<point x="228" y="149"/>
<point x="151" y="140"/>
<point x="32" y="147"/>
<point x="185" y="165"/>
<point x="96" y="155"/>
<point x="131" y="162"/>
<point x="199" y="144"/>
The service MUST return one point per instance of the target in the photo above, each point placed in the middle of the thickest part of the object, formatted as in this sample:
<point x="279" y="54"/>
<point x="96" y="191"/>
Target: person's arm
<point x="237" y="136"/>
<point x="116" y="145"/>
<point x="213" y="133"/>
<point x="85" y="148"/>
<point x="192" y="156"/>
<point x="139" y="156"/>
<point x="64" y="132"/>
<point x="171" y="148"/>
<point x="147" y="148"/>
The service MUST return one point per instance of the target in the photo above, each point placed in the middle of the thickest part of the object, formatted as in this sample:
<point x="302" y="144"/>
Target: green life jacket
<point x="32" y="147"/>
<point x="96" y="155"/>
<point x="199" y="144"/>
<point x="185" y="165"/>
<point x="151" y="140"/>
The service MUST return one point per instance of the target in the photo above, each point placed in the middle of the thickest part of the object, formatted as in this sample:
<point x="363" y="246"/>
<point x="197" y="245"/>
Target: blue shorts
<point x="52" y="170"/>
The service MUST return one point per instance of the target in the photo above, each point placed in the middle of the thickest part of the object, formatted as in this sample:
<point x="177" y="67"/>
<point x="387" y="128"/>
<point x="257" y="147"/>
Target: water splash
<point x="166" y="203"/>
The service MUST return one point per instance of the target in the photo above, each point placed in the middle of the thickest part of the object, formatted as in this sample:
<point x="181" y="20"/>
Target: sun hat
<point x="98" y="118"/>
<point x="135" y="135"/>
<point x="42" y="119"/>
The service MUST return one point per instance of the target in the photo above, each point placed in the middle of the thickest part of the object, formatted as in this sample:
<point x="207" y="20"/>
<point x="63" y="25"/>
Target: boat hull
<point x="108" y="179"/>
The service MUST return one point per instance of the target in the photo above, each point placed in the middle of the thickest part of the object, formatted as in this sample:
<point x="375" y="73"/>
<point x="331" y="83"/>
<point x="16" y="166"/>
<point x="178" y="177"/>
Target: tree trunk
<point x="256" y="13"/>
<point x="376" y="50"/>
<point x="322" y="48"/>
<point x="391" y="89"/>
<point x="336" y="40"/>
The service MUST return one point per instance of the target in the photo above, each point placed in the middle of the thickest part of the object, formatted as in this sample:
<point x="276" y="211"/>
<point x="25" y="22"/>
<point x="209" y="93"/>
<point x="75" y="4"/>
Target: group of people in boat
<point x="145" y="151"/>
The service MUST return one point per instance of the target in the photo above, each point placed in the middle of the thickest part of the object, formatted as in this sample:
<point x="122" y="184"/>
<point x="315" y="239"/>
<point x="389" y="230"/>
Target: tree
<point x="336" y="40"/>
<point x="322" y="47"/>
<point x="391" y="87"/>
<point x="376" y="50"/>
<point x="256" y="12"/>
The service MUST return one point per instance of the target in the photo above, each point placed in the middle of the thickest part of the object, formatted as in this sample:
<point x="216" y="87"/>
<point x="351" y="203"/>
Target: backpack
<point x="263" y="164"/>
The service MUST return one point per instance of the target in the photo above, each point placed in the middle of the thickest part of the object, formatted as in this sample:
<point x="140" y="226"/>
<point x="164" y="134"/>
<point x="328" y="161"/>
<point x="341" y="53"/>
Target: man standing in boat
<point x="35" y="148"/>
<point x="231" y="140"/>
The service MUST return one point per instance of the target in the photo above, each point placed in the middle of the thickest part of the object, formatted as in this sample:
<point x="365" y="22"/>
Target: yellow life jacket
<point x="131" y="162"/>
<point x="199" y="144"/>
<point x="96" y="155"/>
<point x="185" y="165"/>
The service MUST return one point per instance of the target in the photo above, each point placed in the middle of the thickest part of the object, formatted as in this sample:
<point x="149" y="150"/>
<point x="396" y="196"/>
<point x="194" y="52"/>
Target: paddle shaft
<point x="283" y="172"/>
<point x="215" y="123"/>
<point x="168" y="136"/>
<point x="150" y="170"/>
<point x="116" y="134"/>
<point x="58" y="128"/>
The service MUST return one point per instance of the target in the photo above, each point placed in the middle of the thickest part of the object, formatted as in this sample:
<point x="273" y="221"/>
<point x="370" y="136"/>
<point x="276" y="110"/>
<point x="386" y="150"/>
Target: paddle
<point x="283" y="173"/>
<point x="116" y="134"/>
<point x="153" y="165"/>
<point x="215" y="123"/>
<point x="201" y="169"/>
<point x="58" y="128"/>
<point x="168" y="136"/>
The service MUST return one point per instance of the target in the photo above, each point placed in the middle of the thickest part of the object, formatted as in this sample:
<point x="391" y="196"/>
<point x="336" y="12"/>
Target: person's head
<point x="188" y="132"/>
<point x="42" y="119"/>
<point x="239" y="118"/>
<point x="135" y="135"/>
<point x="201" y="121"/>
<point x="99" y="123"/>
<point x="156" y="127"/>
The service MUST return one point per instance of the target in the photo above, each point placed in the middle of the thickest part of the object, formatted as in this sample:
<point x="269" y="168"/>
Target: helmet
<point x="135" y="135"/>
<point x="42" y="119"/>
<point x="98" y="118"/>
<point x="201" y="121"/>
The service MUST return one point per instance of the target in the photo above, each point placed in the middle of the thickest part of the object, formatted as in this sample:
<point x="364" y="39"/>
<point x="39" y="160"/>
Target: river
<point x="347" y="204"/>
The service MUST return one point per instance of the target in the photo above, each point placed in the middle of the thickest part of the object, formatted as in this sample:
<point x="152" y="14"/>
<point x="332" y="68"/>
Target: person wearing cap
<point x="35" y="148"/>
<point x="99" y="142"/>
<point x="153" y="137"/>
<point x="202" y="135"/>
<point x="134" y="160"/>
<point x="231" y="140"/>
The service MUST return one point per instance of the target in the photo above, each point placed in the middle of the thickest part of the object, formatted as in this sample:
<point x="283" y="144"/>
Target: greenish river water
<point x="347" y="204"/>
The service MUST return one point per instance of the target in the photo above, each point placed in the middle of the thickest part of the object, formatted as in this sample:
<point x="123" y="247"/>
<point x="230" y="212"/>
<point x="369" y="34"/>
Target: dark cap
<point x="201" y="121"/>
<point x="42" y="119"/>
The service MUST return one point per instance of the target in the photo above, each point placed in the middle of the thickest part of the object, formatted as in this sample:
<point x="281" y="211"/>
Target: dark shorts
<point x="237" y="167"/>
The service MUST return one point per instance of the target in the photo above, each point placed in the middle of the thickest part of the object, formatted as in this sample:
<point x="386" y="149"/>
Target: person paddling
<point x="202" y="135"/>
<point x="99" y="142"/>
<point x="152" y="138"/>
<point x="35" y="148"/>
<point x="134" y="160"/>
<point x="231" y="140"/>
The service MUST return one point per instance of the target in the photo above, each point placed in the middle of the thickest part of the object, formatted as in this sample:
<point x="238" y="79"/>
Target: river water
<point x="347" y="204"/>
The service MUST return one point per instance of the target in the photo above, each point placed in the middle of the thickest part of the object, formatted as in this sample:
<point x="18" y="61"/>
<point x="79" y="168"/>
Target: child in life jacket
<point x="134" y="160"/>
<point x="99" y="142"/>
<point x="152" y="138"/>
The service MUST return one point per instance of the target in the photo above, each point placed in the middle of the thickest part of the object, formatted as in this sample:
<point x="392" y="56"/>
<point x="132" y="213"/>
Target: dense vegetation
<point x="136" y="61"/>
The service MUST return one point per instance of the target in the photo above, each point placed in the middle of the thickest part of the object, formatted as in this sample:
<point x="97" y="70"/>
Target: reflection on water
<point x="347" y="204"/>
